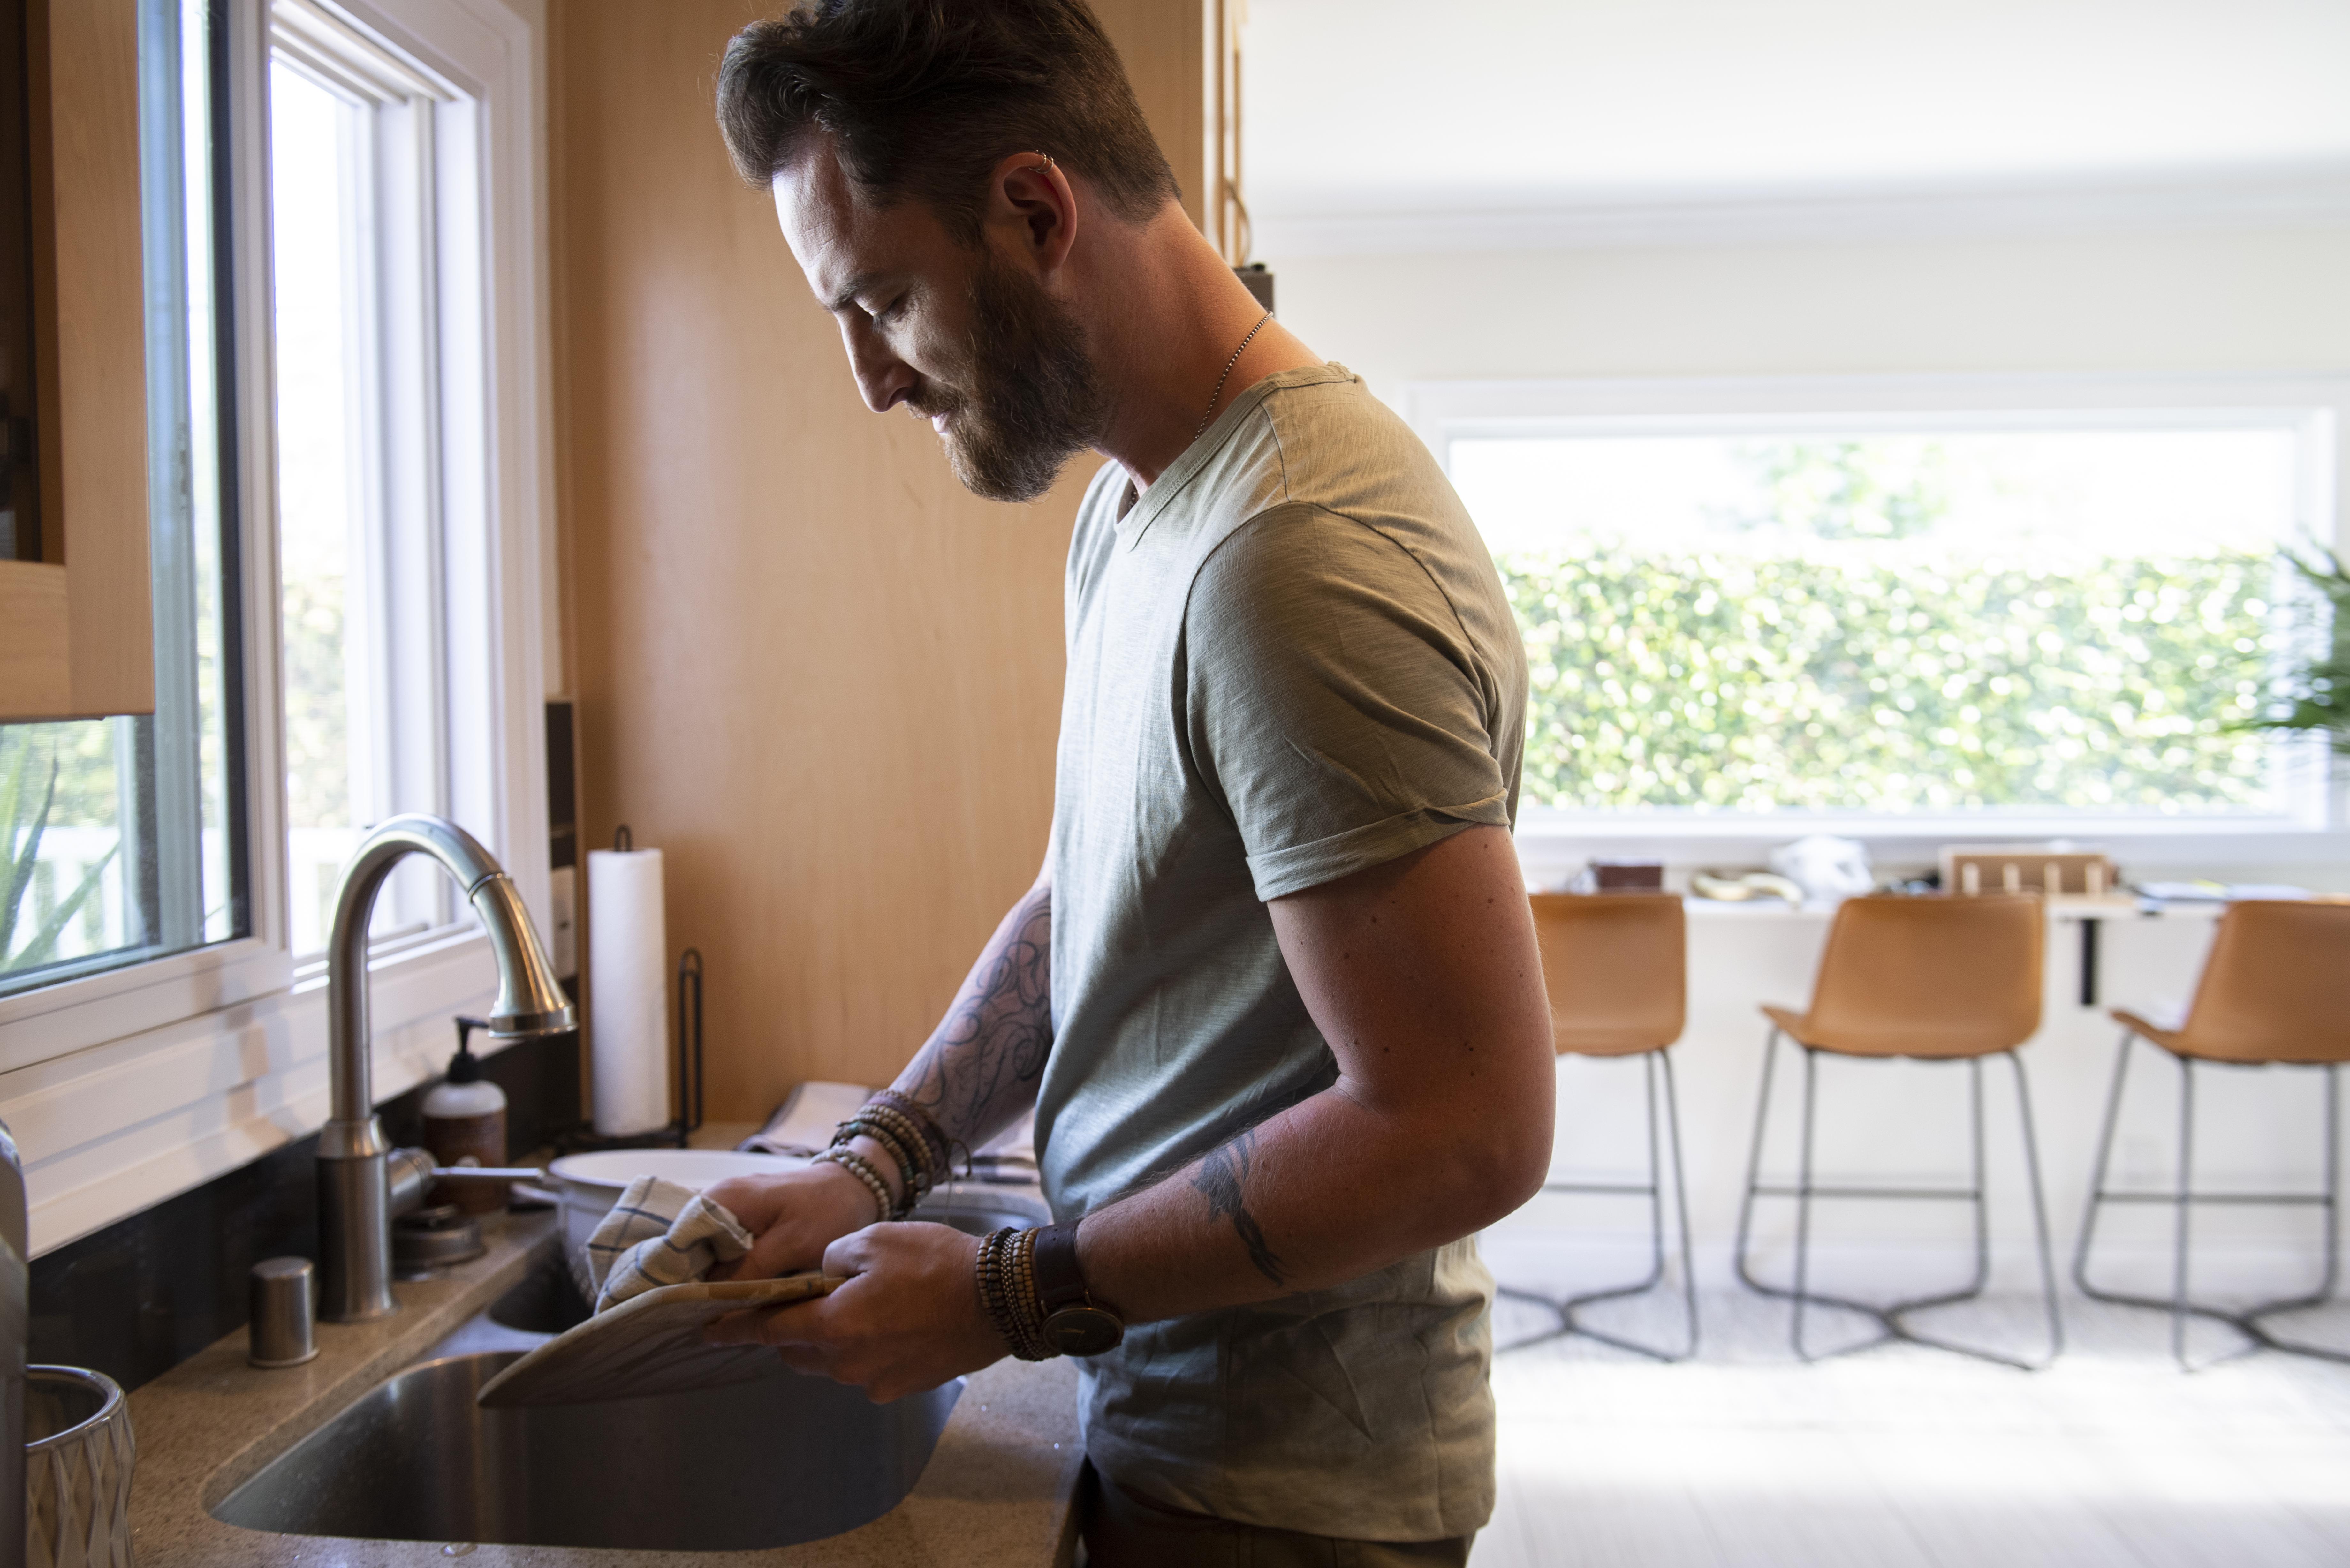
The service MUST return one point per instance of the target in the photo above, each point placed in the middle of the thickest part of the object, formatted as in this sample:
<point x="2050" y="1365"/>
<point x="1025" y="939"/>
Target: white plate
<point x="592" y="1183"/>
<point x="612" y="1170"/>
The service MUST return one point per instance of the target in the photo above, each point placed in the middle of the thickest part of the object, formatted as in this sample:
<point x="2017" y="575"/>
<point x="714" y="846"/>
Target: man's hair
<point x="923" y="97"/>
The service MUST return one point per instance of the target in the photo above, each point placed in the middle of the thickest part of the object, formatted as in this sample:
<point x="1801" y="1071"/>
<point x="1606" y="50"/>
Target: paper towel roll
<point x="628" y="976"/>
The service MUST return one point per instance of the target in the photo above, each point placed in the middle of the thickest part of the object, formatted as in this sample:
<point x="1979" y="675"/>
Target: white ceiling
<point x="1370" y="109"/>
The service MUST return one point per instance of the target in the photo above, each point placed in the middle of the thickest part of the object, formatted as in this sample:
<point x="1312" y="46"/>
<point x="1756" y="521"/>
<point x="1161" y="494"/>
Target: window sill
<point x="75" y="1015"/>
<point x="111" y="1128"/>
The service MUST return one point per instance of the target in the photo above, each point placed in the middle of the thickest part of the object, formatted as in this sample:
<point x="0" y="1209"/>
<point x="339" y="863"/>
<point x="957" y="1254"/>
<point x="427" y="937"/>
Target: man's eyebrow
<point x="848" y="296"/>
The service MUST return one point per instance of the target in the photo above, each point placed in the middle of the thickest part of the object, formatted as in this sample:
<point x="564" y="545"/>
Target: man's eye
<point x="887" y="311"/>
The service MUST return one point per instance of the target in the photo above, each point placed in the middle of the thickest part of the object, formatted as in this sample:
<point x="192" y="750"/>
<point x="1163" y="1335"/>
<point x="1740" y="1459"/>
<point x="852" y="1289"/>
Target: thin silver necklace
<point x="1228" y="374"/>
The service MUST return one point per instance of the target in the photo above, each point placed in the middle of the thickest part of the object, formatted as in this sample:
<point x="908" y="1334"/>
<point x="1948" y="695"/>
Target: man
<point x="1274" y="996"/>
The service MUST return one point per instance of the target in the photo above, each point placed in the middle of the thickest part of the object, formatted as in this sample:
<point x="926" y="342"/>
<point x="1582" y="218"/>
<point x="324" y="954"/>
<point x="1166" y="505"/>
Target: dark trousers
<point x="1123" y="1530"/>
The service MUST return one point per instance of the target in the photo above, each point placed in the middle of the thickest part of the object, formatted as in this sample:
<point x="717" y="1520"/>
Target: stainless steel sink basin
<point x="976" y="1210"/>
<point x="785" y="1460"/>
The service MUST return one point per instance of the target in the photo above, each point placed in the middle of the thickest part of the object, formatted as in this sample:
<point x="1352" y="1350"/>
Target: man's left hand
<point x="908" y="1318"/>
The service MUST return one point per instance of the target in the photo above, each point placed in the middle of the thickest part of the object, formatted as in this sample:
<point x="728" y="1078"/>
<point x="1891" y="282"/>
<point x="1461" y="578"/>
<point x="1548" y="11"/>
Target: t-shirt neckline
<point x="1180" y="475"/>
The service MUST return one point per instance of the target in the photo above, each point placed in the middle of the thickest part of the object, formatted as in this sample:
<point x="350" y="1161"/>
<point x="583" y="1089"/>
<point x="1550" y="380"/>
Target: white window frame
<point x="127" y="1086"/>
<point x="2314" y="825"/>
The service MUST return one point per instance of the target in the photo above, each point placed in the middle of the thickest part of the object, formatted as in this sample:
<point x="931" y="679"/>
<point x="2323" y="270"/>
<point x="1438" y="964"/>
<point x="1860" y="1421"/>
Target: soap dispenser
<point x="465" y="1123"/>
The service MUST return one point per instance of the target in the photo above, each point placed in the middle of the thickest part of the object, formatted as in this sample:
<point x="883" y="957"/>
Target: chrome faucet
<point x="363" y="1181"/>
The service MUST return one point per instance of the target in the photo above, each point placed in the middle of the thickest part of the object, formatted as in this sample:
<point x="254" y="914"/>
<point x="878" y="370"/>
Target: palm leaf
<point x="20" y="874"/>
<point x="2318" y="693"/>
<point x="42" y="949"/>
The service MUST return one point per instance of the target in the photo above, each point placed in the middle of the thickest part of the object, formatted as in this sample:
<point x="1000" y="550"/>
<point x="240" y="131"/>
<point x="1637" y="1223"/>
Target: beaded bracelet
<point x="911" y="1134"/>
<point x="1001" y="1291"/>
<point x="941" y="1149"/>
<point x="910" y="1180"/>
<point x="990" y="1290"/>
<point x="857" y="1166"/>
<point x="1027" y="1305"/>
<point x="904" y="1142"/>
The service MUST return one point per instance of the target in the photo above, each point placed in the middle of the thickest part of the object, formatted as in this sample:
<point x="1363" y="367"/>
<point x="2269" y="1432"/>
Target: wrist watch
<point x="1074" y="1323"/>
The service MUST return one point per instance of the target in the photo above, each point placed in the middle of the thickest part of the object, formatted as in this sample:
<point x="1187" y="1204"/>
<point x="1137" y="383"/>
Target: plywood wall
<point x="818" y="675"/>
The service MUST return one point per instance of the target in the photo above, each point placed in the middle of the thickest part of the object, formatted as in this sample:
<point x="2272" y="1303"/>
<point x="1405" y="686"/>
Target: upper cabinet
<point x="77" y="630"/>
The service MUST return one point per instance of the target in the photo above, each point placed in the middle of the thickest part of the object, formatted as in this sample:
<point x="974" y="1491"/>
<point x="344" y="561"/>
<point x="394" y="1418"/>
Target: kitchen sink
<point x="978" y="1209"/>
<point x="547" y="1303"/>
<point x="783" y="1459"/>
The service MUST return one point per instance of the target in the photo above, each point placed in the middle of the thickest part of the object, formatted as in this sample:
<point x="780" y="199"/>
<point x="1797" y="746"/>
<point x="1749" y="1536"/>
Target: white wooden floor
<point x="1901" y="1458"/>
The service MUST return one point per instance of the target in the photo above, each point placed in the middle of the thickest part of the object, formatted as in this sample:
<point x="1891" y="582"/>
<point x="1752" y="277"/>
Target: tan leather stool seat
<point x="2276" y="987"/>
<point x="2275" y="992"/>
<point x="1939" y="977"/>
<point x="1617" y="968"/>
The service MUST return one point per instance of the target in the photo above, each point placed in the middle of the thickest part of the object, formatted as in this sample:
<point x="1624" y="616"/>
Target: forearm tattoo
<point x="979" y="1067"/>
<point x="1222" y="1175"/>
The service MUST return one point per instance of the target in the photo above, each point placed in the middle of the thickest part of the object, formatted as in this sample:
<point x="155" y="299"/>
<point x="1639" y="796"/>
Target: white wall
<point x="2257" y="301"/>
<point x="2170" y="303"/>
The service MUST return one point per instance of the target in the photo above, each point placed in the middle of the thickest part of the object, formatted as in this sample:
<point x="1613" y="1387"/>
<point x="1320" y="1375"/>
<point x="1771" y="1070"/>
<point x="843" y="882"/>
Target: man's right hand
<point x="792" y="1217"/>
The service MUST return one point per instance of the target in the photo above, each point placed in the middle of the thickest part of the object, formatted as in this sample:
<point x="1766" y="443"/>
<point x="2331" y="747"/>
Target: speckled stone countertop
<point x="996" y="1494"/>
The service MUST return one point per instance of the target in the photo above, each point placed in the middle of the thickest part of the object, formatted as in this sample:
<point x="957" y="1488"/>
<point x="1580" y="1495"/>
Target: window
<point x="121" y="838"/>
<point x="405" y="175"/>
<point x="2013" y="612"/>
<point x="353" y="185"/>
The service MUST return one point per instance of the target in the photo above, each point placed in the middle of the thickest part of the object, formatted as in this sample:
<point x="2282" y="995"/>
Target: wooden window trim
<point x="76" y="630"/>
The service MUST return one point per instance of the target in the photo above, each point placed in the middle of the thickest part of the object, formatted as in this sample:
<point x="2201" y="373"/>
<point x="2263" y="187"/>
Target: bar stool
<point x="1936" y="979"/>
<point x="1615" y="965"/>
<point x="2275" y="991"/>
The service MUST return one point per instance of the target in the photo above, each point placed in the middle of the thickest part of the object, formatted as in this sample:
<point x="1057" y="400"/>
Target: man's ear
<point x="1031" y="207"/>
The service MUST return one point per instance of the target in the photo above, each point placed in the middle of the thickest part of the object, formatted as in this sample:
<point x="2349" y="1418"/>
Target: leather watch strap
<point x="1059" y="1282"/>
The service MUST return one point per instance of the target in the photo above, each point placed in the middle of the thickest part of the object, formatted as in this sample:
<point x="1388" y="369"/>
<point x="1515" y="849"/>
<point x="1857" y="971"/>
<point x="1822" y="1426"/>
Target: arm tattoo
<point x="979" y="1067"/>
<point x="1221" y="1176"/>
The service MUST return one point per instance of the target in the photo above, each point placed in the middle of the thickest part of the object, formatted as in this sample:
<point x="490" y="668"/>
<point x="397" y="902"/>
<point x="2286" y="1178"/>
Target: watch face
<point x="1083" y="1331"/>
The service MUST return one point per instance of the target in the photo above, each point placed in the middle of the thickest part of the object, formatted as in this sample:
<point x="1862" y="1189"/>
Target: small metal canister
<point x="285" y="1312"/>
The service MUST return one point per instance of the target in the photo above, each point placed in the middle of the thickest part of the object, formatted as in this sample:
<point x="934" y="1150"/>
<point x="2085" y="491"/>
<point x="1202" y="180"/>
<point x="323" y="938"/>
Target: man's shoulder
<point x="1343" y="449"/>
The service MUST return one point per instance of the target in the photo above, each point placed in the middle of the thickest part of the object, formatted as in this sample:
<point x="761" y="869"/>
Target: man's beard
<point x="1033" y="400"/>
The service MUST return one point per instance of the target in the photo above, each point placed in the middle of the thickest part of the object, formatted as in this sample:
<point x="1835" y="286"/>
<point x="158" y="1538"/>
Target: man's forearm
<point x="1426" y="982"/>
<point x="1326" y="1191"/>
<point x="979" y="1069"/>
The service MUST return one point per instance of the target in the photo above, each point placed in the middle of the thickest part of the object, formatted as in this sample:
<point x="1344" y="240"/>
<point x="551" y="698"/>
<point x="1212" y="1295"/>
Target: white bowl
<point x="592" y="1183"/>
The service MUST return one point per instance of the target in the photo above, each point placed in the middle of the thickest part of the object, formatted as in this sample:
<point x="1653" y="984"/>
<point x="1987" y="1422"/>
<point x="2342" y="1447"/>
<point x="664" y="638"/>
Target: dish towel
<point x="659" y="1233"/>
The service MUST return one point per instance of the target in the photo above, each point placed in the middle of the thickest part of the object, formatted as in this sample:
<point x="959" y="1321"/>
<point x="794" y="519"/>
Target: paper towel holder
<point x="688" y="1120"/>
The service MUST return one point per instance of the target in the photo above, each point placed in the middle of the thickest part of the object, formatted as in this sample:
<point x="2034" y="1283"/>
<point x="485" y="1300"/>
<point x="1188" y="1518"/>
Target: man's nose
<point x="885" y="379"/>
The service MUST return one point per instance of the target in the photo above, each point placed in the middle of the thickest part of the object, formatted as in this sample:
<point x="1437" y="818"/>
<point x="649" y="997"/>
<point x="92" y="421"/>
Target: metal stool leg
<point x="2098" y="1170"/>
<point x="1803" y="1199"/>
<point x="1754" y="1171"/>
<point x="2039" y="1209"/>
<point x="1680" y="1198"/>
<point x="1892" y="1319"/>
<point x="2178" y="1254"/>
<point x="2180" y="1305"/>
<point x="2329" y="1204"/>
<point x="1569" y="1322"/>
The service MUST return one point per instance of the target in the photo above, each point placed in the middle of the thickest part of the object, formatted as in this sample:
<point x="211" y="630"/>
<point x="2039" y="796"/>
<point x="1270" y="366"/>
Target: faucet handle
<point x="409" y="1172"/>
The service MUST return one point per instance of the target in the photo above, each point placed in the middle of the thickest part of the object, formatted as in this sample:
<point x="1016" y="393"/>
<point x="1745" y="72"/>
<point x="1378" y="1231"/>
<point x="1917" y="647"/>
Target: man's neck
<point x="1164" y="314"/>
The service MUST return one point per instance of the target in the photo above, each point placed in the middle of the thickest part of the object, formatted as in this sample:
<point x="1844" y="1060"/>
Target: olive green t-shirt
<point x="1289" y="661"/>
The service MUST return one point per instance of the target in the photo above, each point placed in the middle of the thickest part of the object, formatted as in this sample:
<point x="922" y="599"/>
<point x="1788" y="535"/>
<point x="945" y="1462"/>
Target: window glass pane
<point x="312" y="173"/>
<point x="117" y="839"/>
<point x="67" y="889"/>
<point x="2028" y="620"/>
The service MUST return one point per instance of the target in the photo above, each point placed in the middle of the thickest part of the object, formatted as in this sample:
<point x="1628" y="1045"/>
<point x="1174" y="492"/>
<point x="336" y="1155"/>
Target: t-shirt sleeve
<point x="1332" y="700"/>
